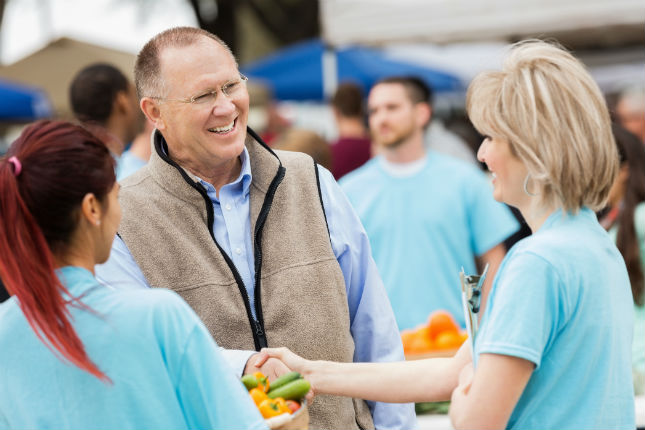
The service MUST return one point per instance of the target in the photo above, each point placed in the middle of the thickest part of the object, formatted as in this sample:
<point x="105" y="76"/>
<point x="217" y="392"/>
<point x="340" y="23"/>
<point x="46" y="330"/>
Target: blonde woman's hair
<point x="548" y="107"/>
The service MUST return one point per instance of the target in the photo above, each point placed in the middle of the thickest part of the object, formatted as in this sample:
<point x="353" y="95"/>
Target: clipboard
<point x="471" y="295"/>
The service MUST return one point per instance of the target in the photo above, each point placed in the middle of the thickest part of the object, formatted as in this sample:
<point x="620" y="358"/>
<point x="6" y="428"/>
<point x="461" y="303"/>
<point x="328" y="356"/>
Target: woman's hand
<point x="465" y="378"/>
<point x="463" y="387"/>
<point x="271" y="367"/>
<point x="292" y="361"/>
<point x="486" y="398"/>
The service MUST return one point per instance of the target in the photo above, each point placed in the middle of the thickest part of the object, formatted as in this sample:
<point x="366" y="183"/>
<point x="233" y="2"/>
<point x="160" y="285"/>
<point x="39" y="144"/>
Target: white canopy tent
<point x="613" y="69"/>
<point x="444" y="21"/>
<point x="466" y="36"/>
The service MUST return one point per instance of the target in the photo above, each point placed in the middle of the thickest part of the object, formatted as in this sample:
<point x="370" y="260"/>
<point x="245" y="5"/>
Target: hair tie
<point x="17" y="166"/>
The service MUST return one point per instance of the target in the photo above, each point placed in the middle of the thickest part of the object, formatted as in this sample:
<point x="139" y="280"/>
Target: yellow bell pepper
<point x="258" y="396"/>
<point x="269" y="408"/>
<point x="263" y="381"/>
<point x="282" y="405"/>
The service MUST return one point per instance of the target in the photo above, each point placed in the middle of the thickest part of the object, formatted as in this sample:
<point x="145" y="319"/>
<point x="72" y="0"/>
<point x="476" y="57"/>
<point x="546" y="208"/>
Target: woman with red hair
<point x="78" y="354"/>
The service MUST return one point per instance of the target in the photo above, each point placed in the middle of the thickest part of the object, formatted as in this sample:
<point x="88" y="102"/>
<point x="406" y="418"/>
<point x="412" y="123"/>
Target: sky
<point x="126" y="25"/>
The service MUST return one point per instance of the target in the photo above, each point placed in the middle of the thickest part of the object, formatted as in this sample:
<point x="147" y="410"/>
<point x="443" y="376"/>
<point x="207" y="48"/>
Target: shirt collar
<point x="559" y="216"/>
<point x="244" y="178"/>
<point x="403" y="170"/>
<point x="76" y="279"/>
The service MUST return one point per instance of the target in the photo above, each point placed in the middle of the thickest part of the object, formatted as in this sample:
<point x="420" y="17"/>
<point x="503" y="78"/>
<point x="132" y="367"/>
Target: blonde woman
<point x="554" y="349"/>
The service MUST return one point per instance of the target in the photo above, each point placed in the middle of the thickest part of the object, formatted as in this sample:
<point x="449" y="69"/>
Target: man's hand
<point x="295" y="362"/>
<point x="275" y="359"/>
<point x="270" y="367"/>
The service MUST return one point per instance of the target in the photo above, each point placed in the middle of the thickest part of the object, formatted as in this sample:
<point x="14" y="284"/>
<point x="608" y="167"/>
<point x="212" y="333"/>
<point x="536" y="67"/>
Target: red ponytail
<point x="65" y="162"/>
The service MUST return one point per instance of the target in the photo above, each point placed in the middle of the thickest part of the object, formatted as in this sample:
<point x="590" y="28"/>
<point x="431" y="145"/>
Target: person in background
<point x="630" y="110"/>
<point x="554" y="347"/>
<point x="306" y="141"/>
<point x="105" y="102"/>
<point x="76" y="353"/>
<point x="624" y="218"/>
<point x="352" y="149"/>
<point x="138" y="154"/>
<point x="261" y="243"/>
<point x="426" y="214"/>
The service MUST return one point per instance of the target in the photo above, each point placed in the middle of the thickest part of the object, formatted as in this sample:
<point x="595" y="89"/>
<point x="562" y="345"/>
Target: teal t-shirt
<point x="562" y="300"/>
<point x="166" y="370"/>
<point x="424" y="228"/>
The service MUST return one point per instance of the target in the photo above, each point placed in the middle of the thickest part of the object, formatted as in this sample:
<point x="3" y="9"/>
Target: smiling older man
<point x="262" y="244"/>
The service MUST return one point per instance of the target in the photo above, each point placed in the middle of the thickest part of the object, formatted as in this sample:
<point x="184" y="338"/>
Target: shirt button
<point x="238" y="251"/>
<point x="228" y="206"/>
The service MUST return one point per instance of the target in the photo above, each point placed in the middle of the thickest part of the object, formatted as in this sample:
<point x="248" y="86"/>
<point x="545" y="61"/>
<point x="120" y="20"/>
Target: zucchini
<point x="294" y="390"/>
<point x="283" y="380"/>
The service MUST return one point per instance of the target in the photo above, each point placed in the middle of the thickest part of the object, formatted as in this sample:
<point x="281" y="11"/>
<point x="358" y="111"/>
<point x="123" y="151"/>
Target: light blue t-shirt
<point x="424" y="227"/>
<point x="127" y="164"/>
<point x="562" y="300"/>
<point x="166" y="370"/>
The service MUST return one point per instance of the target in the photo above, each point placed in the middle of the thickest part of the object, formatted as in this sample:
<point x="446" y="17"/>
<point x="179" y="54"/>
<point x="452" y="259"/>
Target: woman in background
<point x="624" y="218"/>
<point x="77" y="354"/>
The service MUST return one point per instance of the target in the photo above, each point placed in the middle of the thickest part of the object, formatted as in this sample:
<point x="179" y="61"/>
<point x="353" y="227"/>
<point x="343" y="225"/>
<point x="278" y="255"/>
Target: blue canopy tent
<point x="304" y="71"/>
<point x="22" y="103"/>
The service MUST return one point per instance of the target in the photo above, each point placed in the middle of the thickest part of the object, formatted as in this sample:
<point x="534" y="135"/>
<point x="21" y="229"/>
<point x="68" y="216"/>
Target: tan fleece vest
<point x="303" y="297"/>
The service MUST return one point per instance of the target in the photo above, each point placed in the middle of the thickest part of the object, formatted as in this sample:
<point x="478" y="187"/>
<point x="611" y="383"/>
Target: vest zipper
<point x="259" y="227"/>
<point x="259" y="337"/>
<point x="260" y="332"/>
<point x="257" y="326"/>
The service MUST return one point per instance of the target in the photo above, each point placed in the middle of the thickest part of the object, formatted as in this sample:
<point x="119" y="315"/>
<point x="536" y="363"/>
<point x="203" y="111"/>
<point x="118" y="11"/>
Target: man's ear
<point x="151" y="110"/>
<point x="423" y="113"/>
<point x="91" y="209"/>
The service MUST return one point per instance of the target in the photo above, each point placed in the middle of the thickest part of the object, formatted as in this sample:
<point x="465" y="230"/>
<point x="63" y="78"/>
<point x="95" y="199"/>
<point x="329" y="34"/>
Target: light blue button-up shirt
<point x="372" y="322"/>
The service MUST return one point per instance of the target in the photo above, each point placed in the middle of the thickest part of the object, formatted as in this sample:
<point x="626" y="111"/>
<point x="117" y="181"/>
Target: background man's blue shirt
<point x="424" y="227"/>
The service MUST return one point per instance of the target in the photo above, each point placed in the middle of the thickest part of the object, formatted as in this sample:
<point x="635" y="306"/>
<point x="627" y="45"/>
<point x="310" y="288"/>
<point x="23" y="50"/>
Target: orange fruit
<point x="406" y="338"/>
<point x="441" y="321"/>
<point x="423" y="331"/>
<point x="463" y="336"/>
<point x="419" y="344"/>
<point x="448" y="340"/>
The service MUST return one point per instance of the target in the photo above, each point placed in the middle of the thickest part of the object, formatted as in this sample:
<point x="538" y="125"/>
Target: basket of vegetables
<point x="281" y="402"/>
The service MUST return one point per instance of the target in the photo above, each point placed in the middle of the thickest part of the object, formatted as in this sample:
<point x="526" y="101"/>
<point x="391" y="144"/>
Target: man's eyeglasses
<point x="230" y="89"/>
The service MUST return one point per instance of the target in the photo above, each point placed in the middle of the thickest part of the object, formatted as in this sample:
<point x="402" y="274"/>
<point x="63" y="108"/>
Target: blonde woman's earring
<point x="526" y="184"/>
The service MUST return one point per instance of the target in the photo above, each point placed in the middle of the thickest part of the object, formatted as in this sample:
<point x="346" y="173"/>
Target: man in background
<point x="105" y="102"/>
<point x="138" y="154"/>
<point x="426" y="214"/>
